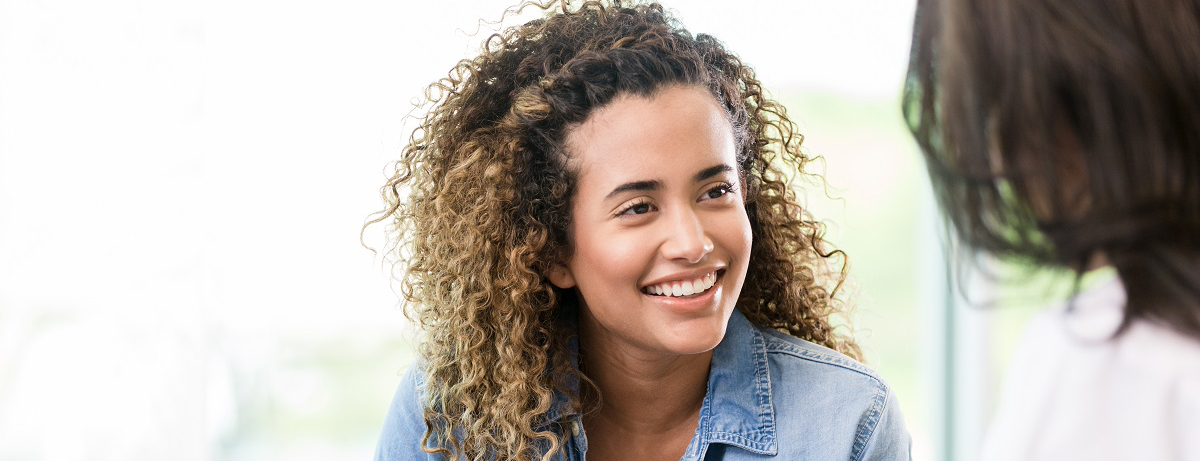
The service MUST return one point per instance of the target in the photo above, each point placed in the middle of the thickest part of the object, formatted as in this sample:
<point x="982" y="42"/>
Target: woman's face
<point x="660" y="237"/>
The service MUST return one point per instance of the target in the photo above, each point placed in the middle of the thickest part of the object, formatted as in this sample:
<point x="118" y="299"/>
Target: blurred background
<point x="182" y="185"/>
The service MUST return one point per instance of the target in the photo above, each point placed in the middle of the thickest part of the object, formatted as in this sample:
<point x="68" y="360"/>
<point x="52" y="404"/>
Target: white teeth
<point x="685" y="287"/>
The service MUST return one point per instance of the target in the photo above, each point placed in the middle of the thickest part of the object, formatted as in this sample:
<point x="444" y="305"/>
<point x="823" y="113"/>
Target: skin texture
<point x="648" y="354"/>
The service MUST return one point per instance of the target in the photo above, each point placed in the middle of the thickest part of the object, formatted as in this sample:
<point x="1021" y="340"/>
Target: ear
<point x="561" y="277"/>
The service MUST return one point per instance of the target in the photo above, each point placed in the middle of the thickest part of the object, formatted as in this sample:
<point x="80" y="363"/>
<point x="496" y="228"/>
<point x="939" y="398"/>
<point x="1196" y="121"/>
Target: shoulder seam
<point x="873" y="423"/>
<point x="780" y="345"/>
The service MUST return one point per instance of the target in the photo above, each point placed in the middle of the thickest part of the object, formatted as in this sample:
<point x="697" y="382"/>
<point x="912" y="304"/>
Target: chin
<point x="695" y="336"/>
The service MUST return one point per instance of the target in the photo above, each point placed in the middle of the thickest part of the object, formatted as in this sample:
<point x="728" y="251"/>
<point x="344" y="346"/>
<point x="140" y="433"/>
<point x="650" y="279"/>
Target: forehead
<point x="678" y="129"/>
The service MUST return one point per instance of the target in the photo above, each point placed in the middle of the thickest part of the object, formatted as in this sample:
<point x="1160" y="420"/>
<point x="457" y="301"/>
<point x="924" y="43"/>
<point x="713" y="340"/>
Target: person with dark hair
<point x="601" y="245"/>
<point x="1067" y="133"/>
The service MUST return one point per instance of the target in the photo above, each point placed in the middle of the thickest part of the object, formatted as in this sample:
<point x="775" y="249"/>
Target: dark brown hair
<point x="479" y="203"/>
<point x="1068" y="131"/>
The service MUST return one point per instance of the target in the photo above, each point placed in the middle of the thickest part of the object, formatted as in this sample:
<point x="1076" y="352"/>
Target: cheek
<point x="735" y="235"/>
<point x="609" y="259"/>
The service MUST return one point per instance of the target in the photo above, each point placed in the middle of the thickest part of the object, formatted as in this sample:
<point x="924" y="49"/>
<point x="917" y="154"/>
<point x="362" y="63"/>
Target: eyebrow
<point x="654" y="184"/>
<point x="711" y="171"/>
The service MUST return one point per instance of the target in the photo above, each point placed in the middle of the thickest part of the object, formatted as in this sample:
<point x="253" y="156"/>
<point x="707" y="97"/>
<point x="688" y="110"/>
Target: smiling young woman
<point x="657" y="208"/>
<point x="607" y="262"/>
<point x="660" y="245"/>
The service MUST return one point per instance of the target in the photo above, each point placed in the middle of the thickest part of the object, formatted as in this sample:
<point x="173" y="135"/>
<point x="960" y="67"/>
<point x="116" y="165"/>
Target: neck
<point x="643" y="392"/>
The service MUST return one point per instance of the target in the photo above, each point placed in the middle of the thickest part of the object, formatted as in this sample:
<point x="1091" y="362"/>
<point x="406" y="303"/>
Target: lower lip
<point x="686" y="305"/>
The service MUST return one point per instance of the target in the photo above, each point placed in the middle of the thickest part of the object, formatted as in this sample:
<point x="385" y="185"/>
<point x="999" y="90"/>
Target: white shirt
<point x="1074" y="393"/>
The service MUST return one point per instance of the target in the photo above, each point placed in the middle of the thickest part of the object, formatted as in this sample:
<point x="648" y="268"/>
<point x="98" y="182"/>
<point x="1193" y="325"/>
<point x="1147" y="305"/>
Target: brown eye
<point x="718" y="191"/>
<point x="640" y="206"/>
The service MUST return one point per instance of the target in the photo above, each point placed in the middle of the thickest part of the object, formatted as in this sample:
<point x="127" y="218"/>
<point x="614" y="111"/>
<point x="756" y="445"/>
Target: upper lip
<point x="684" y="275"/>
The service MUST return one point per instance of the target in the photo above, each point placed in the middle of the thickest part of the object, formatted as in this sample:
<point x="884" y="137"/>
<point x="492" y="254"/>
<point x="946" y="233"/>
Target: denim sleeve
<point x="890" y="440"/>
<point x="404" y="424"/>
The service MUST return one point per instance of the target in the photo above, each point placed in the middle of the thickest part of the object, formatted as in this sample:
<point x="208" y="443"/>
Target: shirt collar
<point x="737" y="408"/>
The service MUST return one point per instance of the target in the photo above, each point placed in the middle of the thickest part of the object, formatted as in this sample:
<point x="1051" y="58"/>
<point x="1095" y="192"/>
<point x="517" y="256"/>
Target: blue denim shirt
<point x="770" y="396"/>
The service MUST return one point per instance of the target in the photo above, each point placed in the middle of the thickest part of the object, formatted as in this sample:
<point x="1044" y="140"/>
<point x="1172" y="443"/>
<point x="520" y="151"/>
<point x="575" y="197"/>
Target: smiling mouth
<point x="685" y="289"/>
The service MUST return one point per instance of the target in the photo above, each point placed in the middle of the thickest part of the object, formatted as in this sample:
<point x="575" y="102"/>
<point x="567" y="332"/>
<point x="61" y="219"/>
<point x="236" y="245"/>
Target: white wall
<point x="181" y="189"/>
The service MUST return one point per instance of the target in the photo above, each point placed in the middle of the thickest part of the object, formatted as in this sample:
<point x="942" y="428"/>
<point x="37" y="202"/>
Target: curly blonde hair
<point x="478" y="211"/>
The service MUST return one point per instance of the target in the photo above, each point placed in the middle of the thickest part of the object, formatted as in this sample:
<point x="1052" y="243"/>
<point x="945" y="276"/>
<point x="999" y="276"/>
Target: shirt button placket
<point x="579" y="440"/>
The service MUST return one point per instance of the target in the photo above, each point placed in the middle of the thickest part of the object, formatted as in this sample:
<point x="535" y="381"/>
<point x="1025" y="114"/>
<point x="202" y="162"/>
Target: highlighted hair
<point x="479" y="207"/>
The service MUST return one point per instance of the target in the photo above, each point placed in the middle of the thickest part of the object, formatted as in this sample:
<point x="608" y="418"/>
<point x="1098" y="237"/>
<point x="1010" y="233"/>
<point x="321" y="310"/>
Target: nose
<point x="686" y="238"/>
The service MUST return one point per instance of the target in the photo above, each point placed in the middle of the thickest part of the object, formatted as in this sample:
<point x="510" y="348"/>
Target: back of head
<point x="1068" y="132"/>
